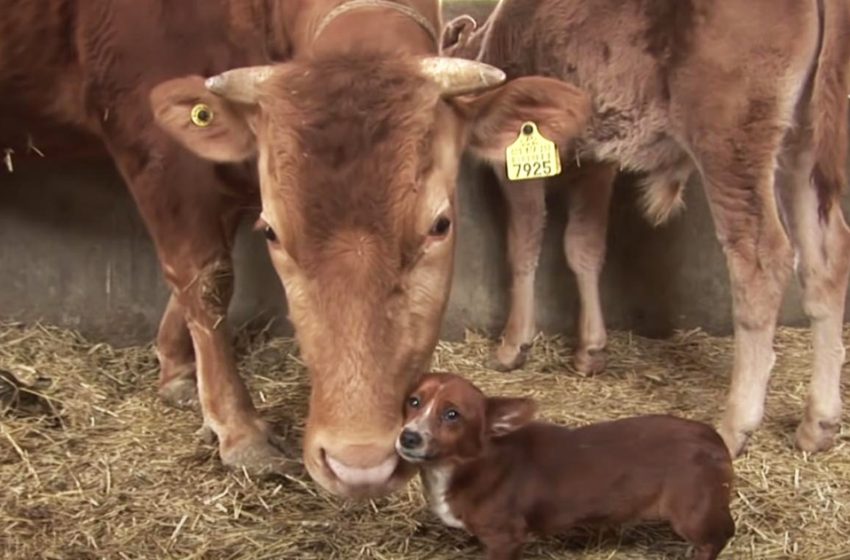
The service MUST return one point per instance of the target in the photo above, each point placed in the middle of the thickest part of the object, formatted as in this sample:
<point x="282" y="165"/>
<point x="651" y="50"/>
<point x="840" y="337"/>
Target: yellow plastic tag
<point x="202" y="115"/>
<point x="532" y="156"/>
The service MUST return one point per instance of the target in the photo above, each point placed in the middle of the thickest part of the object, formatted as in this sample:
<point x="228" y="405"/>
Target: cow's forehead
<point x="361" y="90"/>
<point x="372" y="112"/>
<point x="353" y="136"/>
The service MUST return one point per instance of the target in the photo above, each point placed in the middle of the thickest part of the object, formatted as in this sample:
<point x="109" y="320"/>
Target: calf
<point x="489" y="469"/>
<point x="749" y="94"/>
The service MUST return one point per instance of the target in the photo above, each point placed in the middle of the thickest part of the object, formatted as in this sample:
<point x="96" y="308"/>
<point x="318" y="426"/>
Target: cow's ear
<point x="559" y="110"/>
<point x="206" y="124"/>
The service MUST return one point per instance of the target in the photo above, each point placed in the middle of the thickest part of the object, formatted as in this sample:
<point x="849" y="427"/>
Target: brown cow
<point x="749" y="93"/>
<point x="358" y="141"/>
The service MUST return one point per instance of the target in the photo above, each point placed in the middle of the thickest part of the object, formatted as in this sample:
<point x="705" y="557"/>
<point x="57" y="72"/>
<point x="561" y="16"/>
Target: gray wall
<point x="74" y="252"/>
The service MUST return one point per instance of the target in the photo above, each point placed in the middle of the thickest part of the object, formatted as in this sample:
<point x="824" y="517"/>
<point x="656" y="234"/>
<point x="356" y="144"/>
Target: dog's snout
<point x="410" y="439"/>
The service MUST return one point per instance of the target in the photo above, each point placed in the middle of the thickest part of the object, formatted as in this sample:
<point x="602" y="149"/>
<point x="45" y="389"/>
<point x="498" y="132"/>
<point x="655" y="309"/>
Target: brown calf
<point x="350" y="152"/>
<point x="87" y="66"/>
<point x="489" y="469"/>
<point x="751" y="94"/>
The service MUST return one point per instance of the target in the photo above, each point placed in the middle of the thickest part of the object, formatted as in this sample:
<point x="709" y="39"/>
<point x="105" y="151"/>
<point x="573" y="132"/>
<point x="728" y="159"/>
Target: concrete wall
<point x="73" y="251"/>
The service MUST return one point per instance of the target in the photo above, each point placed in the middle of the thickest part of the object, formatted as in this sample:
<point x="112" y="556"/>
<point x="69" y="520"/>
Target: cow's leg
<point x="192" y="221"/>
<point x="526" y="201"/>
<point x="176" y="356"/>
<point x="822" y="247"/>
<point x="738" y="174"/>
<point x="584" y="246"/>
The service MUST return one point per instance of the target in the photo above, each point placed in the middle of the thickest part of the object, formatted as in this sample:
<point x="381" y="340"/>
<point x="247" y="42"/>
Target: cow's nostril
<point x="410" y="439"/>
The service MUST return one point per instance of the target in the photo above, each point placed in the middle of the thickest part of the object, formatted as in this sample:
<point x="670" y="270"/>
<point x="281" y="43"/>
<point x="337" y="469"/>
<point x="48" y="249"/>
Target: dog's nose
<point x="410" y="439"/>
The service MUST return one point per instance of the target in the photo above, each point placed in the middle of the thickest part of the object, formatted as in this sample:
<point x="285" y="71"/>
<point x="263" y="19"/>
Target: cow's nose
<point x="410" y="439"/>
<point x="362" y="465"/>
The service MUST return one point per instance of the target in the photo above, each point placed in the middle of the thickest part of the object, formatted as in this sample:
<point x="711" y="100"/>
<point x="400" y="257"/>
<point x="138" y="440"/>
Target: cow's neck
<point x="377" y="28"/>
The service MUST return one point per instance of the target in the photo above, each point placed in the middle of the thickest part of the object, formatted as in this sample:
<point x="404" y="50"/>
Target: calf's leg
<point x="526" y="201"/>
<point x="584" y="246"/>
<point x="822" y="248"/>
<point x="824" y="274"/>
<point x="737" y="169"/>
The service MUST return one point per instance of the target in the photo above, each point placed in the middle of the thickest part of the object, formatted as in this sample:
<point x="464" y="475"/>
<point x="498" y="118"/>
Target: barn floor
<point x="115" y="474"/>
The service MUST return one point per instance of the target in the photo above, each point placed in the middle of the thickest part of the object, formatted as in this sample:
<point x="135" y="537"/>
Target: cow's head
<point x="358" y="157"/>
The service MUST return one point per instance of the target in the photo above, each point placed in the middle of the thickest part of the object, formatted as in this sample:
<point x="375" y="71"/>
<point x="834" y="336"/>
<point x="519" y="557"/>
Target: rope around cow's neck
<point x="359" y="4"/>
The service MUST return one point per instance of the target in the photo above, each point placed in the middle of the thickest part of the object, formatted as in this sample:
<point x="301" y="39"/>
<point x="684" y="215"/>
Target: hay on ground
<point x="97" y="467"/>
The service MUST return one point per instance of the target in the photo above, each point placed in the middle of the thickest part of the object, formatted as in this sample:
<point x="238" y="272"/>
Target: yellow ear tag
<point x="532" y="156"/>
<point x="202" y="115"/>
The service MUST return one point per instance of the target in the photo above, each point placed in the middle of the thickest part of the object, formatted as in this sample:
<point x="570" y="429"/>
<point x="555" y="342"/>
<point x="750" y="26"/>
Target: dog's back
<point x="549" y="478"/>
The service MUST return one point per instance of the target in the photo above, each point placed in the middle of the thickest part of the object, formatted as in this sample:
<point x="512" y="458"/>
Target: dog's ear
<point x="506" y="415"/>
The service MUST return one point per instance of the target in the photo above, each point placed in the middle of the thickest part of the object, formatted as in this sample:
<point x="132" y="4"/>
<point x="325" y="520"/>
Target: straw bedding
<point x="94" y="466"/>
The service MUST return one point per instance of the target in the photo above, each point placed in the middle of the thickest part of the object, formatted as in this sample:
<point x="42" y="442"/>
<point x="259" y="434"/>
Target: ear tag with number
<point x="532" y="156"/>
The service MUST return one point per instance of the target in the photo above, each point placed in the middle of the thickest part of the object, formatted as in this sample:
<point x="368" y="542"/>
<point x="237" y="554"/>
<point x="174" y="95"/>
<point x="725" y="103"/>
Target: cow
<point x="751" y="94"/>
<point x="336" y="119"/>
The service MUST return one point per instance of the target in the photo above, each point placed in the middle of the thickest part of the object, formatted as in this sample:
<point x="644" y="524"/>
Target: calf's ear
<point x="560" y="111"/>
<point x="506" y="415"/>
<point x="456" y="33"/>
<point x="205" y="123"/>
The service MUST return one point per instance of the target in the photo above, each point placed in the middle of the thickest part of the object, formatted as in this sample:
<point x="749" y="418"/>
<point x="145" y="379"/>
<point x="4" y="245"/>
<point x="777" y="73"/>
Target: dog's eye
<point x="451" y="415"/>
<point x="413" y="402"/>
<point x="270" y="234"/>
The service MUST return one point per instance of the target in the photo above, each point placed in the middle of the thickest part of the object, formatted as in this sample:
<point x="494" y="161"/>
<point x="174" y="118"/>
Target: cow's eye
<point x="413" y="402"/>
<point x="270" y="234"/>
<point x="440" y="227"/>
<point x="451" y="415"/>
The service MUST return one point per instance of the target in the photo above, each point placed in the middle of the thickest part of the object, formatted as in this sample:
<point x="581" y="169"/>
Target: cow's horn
<point x="241" y="84"/>
<point x="457" y="76"/>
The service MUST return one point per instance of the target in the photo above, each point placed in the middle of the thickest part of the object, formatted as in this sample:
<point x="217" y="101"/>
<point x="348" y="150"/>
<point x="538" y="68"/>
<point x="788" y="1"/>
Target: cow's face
<point x="358" y="157"/>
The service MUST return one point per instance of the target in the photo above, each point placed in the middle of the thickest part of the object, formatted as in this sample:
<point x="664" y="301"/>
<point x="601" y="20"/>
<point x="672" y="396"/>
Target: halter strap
<point x="351" y="5"/>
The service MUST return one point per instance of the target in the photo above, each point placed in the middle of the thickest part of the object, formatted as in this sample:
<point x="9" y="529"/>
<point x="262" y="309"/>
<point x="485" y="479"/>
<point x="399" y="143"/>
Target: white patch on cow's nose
<point x="359" y="476"/>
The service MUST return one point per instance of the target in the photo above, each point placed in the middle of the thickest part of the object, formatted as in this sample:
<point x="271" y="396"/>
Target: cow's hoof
<point x="509" y="357"/>
<point x="816" y="436"/>
<point x="261" y="456"/>
<point x="180" y="392"/>
<point x="590" y="362"/>
<point x="735" y="440"/>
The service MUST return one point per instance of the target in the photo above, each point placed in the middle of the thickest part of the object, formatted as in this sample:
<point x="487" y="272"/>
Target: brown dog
<point x="489" y="469"/>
